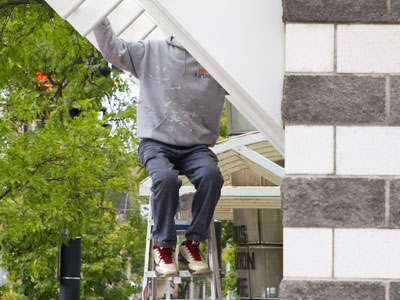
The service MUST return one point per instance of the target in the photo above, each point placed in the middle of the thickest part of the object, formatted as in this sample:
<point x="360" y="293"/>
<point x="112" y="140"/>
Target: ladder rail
<point x="216" y="292"/>
<point x="147" y="255"/>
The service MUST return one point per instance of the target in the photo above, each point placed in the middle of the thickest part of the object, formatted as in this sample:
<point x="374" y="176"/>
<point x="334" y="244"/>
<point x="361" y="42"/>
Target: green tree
<point x="223" y="127"/>
<point x="61" y="175"/>
<point x="228" y="256"/>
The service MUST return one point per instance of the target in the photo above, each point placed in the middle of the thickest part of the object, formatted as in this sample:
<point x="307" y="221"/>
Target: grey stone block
<point x="394" y="290"/>
<point x="333" y="202"/>
<point x="334" y="99"/>
<point x="331" y="290"/>
<point x="395" y="100"/>
<point x="394" y="220"/>
<point x="395" y="12"/>
<point x="335" y="11"/>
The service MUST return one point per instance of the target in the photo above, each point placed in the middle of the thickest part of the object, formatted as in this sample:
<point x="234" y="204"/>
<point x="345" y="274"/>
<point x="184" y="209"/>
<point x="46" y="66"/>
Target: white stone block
<point x="309" y="47"/>
<point x="368" y="150"/>
<point x="368" y="48"/>
<point x="367" y="253"/>
<point x="309" y="150"/>
<point x="307" y="252"/>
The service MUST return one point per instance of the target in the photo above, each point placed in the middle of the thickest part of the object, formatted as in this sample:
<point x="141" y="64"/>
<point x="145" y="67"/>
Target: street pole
<point x="70" y="270"/>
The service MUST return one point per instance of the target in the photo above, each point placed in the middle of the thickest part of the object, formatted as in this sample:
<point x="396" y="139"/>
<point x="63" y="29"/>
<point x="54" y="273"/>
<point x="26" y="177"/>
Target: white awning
<point x="248" y="151"/>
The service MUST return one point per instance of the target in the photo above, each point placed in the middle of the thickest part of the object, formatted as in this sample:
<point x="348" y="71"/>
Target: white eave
<point x="239" y="42"/>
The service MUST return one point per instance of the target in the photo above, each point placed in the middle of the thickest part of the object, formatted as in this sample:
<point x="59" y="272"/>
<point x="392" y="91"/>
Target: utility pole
<point x="70" y="269"/>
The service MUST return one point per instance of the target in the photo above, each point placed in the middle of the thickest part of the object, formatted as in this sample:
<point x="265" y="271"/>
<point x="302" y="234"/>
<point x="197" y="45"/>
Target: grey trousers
<point x="164" y="163"/>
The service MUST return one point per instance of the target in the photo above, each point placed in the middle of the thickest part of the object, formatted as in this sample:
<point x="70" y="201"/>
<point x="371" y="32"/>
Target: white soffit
<point x="128" y="18"/>
<point x="240" y="42"/>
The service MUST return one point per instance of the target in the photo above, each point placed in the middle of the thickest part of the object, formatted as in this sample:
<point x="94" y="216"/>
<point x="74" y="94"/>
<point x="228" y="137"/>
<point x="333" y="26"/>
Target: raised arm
<point x="123" y="54"/>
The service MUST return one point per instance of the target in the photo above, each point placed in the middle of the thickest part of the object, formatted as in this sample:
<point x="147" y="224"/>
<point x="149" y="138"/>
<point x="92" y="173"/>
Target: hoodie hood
<point x="174" y="42"/>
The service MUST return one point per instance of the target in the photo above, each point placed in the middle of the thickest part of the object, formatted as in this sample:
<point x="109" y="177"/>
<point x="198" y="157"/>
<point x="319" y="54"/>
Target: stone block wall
<point x="341" y="110"/>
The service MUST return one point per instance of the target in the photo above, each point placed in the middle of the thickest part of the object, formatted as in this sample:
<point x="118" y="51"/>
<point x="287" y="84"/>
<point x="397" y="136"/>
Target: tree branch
<point x="5" y="22"/>
<point x="18" y="2"/>
<point x="5" y="193"/>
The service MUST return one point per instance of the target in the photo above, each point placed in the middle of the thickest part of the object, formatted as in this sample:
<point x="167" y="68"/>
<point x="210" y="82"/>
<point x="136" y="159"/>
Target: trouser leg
<point x="202" y="170"/>
<point x="165" y="192"/>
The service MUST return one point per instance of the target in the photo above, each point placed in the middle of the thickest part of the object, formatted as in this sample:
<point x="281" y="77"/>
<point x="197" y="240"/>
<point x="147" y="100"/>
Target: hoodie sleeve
<point x="123" y="54"/>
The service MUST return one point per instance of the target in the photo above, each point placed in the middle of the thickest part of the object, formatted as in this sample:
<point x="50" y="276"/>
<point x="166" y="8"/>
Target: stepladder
<point x="184" y="285"/>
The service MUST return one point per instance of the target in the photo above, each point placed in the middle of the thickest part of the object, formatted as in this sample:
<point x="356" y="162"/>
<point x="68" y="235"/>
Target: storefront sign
<point x="259" y="251"/>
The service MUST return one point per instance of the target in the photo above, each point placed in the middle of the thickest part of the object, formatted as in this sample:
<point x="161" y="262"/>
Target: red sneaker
<point x="190" y="254"/>
<point x="165" y="262"/>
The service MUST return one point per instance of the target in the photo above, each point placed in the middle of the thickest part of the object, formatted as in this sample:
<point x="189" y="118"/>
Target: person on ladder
<point x="178" y="115"/>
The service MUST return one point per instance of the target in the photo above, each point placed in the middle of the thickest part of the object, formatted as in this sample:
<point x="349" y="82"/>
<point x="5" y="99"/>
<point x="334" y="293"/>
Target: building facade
<point x="341" y="194"/>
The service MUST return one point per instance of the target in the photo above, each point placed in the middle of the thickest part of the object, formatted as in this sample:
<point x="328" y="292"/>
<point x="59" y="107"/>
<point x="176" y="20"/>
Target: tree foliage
<point x="60" y="175"/>
<point x="228" y="281"/>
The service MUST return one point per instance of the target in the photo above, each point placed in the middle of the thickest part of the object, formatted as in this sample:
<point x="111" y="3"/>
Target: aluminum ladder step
<point x="182" y="273"/>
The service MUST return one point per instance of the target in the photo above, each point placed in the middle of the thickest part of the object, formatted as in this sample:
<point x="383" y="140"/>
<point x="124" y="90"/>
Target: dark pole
<point x="218" y="237"/>
<point x="70" y="270"/>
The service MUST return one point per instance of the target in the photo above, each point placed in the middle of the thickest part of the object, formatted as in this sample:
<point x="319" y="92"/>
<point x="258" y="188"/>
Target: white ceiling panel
<point x="141" y="28"/>
<point x="124" y="15"/>
<point x="157" y="34"/>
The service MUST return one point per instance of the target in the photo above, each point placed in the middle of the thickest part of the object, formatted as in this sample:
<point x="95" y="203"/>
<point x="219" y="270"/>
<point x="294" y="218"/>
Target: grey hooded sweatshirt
<point x="179" y="102"/>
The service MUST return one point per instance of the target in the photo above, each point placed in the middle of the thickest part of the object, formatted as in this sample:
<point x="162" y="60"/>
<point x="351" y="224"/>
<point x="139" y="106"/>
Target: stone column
<point x="341" y="110"/>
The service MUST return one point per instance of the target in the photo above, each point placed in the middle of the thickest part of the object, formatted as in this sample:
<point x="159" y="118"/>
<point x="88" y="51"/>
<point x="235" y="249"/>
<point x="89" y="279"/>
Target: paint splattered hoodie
<point x="180" y="103"/>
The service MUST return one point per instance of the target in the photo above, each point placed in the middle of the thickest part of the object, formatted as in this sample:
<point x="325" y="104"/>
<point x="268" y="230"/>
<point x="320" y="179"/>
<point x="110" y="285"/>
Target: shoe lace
<point x="194" y="250"/>
<point x="166" y="254"/>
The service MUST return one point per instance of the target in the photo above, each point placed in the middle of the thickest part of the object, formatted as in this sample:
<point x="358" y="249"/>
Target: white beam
<point x="238" y="141"/>
<point x="227" y="191"/>
<point x="261" y="165"/>
<point x="248" y="202"/>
